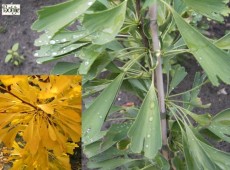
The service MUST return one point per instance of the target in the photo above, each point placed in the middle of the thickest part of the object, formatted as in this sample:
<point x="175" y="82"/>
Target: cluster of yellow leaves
<point x="45" y="112"/>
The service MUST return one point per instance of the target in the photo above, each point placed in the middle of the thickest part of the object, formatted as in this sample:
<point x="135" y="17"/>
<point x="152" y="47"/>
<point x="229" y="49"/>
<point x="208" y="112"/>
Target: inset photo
<point x="40" y="122"/>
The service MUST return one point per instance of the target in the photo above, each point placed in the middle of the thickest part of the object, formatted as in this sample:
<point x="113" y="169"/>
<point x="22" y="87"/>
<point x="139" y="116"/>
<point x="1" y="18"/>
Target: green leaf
<point x="148" y="3"/>
<point x="223" y="43"/>
<point x="99" y="65"/>
<point x="190" y="162"/>
<point x="110" y="164"/>
<point x="64" y="67"/>
<point x="94" y="149"/>
<point x="203" y="155"/>
<point x="63" y="38"/>
<point x="110" y="153"/>
<point x="99" y="110"/>
<point x="191" y="98"/>
<point x="108" y="23"/>
<point x="178" y="74"/>
<point x="56" y="52"/>
<point x="89" y="55"/>
<point x="178" y="163"/>
<point x="15" y="47"/>
<point x="145" y="132"/>
<point x="220" y="125"/>
<point x="53" y="18"/>
<point x="8" y="58"/>
<point x="214" y="61"/>
<point x="214" y="9"/>
<point x="203" y="119"/>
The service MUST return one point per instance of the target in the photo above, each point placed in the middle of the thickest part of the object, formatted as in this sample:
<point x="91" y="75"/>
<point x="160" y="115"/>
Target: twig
<point x="23" y="101"/>
<point x="159" y="74"/>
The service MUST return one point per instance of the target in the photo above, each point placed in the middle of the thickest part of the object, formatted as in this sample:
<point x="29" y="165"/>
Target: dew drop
<point x="151" y="119"/>
<point x="49" y="36"/>
<point x="90" y="3"/>
<point x="54" y="53"/>
<point x="36" y="55"/>
<point x="75" y="36"/>
<point x="148" y="136"/>
<point x="200" y="58"/>
<point x="100" y="117"/>
<point x="63" y="40"/>
<point x="86" y="63"/>
<point x="88" y="130"/>
<point x="146" y="146"/>
<point x="52" y="42"/>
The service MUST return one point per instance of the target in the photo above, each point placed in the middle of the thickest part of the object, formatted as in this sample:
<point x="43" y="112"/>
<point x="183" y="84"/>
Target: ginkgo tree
<point x="40" y="120"/>
<point x="137" y="44"/>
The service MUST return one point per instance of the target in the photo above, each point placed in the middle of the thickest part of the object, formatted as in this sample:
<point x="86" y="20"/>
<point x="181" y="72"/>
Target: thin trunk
<point x="159" y="75"/>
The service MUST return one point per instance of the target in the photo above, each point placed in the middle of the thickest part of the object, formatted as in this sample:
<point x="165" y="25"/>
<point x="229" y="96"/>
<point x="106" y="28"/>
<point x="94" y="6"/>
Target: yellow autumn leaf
<point x="46" y="108"/>
<point x="52" y="133"/>
<point x="42" y="114"/>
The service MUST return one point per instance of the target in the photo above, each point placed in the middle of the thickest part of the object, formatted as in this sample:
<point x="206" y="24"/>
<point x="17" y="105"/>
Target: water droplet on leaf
<point x="90" y="3"/>
<point x="54" y="53"/>
<point x="63" y="40"/>
<point x="52" y="42"/>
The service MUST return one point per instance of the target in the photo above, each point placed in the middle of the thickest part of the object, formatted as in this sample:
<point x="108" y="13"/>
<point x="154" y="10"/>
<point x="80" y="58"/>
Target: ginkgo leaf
<point x="202" y="155"/>
<point x="145" y="133"/>
<point x="42" y="114"/>
<point x="220" y="125"/>
<point x="46" y="108"/>
<point x="223" y="43"/>
<point x="112" y="163"/>
<point x="52" y="133"/>
<point x="214" y="9"/>
<point x="109" y="23"/>
<point x="207" y="54"/>
<point x="99" y="110"/>
<point x="52" y="19"/>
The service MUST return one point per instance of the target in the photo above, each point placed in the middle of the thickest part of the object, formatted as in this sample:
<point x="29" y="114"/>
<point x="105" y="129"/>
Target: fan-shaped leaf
<point x="99" y="110"/>
<point x="107" y="25"/>
<point x="145" y="132"/>
<point x="214" y="9"/>
<point x="54" y="18"/>
<point x="214" y="61"/>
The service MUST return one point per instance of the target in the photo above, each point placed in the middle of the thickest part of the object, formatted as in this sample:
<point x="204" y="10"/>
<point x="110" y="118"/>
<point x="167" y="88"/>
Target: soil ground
<point x="17" y="29"/>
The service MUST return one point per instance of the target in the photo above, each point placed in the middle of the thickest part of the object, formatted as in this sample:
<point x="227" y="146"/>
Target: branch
<point x="159" y="74"/>
<point x="23" y="101"/>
